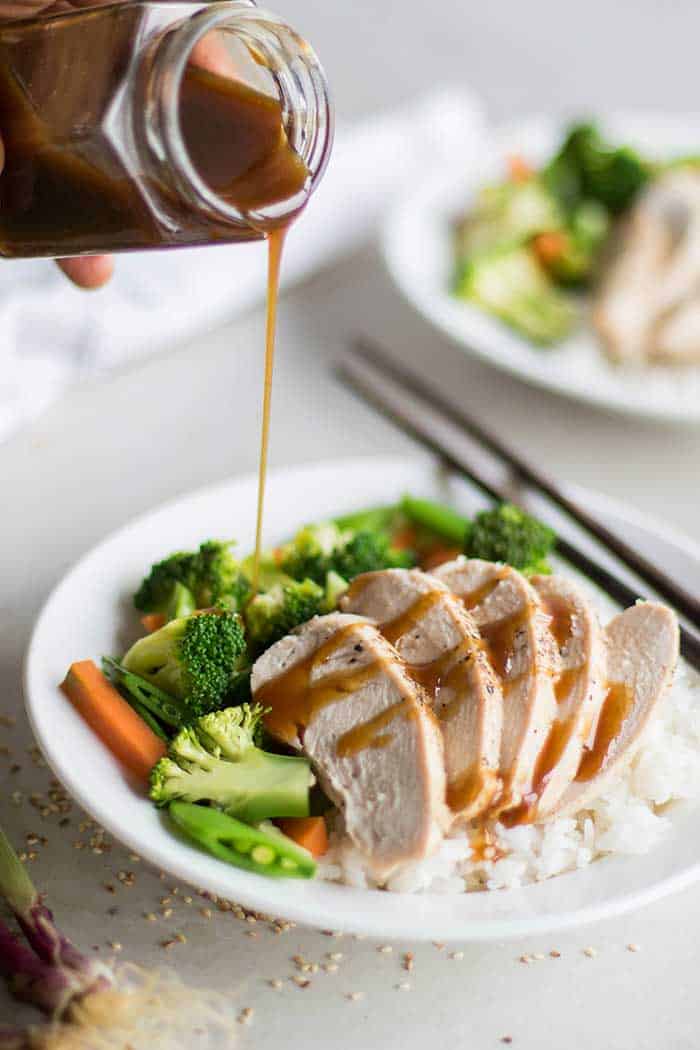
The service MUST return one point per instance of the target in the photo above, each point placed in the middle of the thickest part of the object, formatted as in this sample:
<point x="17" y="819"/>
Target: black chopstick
<point x="682" y="600"/>
<point x="367" y="370"/>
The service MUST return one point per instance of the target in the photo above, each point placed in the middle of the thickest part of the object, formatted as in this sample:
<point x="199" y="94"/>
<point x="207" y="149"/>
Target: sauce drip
<point x="293" y="698"/>
<point x="275" y="244"/>
<point x="369" y="734"/>
<point x="614" y="713"/>
<point x="499" y="640"/>
<point x="561" y="619"/>
<point x="480" y="594"/>
<point x="395" y="629"/>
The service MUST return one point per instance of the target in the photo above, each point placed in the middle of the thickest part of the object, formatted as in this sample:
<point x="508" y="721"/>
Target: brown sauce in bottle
<point x="65" y="192"/>
<point x="616" y="708"/>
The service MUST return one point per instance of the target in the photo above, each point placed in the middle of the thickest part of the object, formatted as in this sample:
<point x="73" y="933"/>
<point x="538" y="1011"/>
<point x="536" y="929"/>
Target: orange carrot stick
<point x="107" y="713"/>
<point x="308" y="832"/>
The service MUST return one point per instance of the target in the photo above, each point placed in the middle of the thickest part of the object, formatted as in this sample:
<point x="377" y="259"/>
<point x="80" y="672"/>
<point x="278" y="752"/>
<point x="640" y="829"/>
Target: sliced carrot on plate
<point x="109" y="716"/>
<point x="308" y="832"/>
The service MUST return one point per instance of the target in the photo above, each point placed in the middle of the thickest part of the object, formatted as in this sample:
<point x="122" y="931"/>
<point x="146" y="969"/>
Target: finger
<point x="91" y="271"/>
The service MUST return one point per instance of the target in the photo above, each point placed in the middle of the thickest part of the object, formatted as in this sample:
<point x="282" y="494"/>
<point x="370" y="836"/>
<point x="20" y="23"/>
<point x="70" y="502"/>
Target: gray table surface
<point x="112" y="449"/>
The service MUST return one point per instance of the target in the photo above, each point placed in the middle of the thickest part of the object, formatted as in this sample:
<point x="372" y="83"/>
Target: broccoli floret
<point x="588" y="167"/>
<point x="209" y="575"/>
<point x="197" y="658"/>
<point x="310" y="554"/>
<point x="369" y="552"/>
<point x="216" y="759"/>
<point x="336" y="585"/>
<point x="320" y="549"/>
<point x="510" y="283"/>
<point x="509" y="535"/>
<point x="271" y="615"/>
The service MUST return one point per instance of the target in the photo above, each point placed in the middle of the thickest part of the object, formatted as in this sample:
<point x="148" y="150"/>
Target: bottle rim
<point x="303" y="91"/>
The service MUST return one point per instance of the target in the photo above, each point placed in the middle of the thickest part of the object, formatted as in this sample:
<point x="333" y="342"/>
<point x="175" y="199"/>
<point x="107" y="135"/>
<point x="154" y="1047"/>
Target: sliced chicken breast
<point x="337" y="690"/>
<point x="625" y="307"/>
<point x="522" y="650"/>
<point x="579" y="691"/>
<point x="441" y="645"/>
<point x="642" y="652"/>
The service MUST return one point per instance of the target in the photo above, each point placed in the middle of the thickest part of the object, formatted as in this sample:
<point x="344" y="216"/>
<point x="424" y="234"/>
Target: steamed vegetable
<point x="198" y="658"/>
<point x="508" y="534"/>
<point x="144" y="694"/>
<point x="271" y="615"/>
<point x="510" y="283"/>
<point x="265" y="851"/>
<point x="108" y="714"/>
<point x="317" y="550"/>
<point x="438" y="518"/>
<point x="216" y="760"/>
<point x="189" y="580"/>
<point x="587" y="168"/>
<point x="308" y="832"/>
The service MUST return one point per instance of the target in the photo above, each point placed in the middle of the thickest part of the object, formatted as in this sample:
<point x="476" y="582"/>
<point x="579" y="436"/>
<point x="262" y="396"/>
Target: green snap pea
<point x="265" y="851"/>
<point x="443" y="520"/>
<point x="165" y="707"/>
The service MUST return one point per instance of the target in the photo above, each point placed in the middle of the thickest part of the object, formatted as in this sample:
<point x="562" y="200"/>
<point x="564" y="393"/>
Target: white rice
<point x="626" y="820"/>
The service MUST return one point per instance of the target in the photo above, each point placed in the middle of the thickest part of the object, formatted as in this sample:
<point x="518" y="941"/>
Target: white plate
<point x="418" y="252"/>
<point x="90" y="614"/>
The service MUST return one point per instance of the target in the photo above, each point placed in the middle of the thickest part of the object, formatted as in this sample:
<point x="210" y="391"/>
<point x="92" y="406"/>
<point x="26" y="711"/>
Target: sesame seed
<point x="507" y="1039"/>
<point x="206" y="912"/>
<point x="276" y="983"/>
<point x="538" y="956"/>
<point x="187" y="900"/>
<point x="456" y="955"/>
<point x="166" y="912"/>
<point x="335" y="956"/>
<point x="180" y="937"/>
<point x="525" y="959"/>
<point x="590" y="952"/>
<point x="251" y="933"/>
<point x="115" y="946"/>
<point x="150" y="916"/>
<point x="385" y="949"/>
<point x="300" y="982"/>
<point x="355" y="997"/>
<point x="439" y="945"/>
<point x="404" y="986"/>
<point x="165" y="901"/>
<point x="633" y="948"/>
<point x="168" y="944"/>
<point x="554" y="954"/>
<point x="408" y="961"/>
<point x="330" y="967"/>
<point x="246" y="1015"/>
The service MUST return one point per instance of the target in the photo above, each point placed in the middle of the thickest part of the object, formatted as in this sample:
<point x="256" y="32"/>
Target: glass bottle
<point x="146" y="125"/>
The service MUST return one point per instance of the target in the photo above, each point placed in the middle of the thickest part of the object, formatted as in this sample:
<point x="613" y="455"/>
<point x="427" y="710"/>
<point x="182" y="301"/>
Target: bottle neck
<point x="235" y="39"/>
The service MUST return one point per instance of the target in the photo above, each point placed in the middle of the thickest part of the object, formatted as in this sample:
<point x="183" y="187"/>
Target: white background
<point x="113" y="449"/>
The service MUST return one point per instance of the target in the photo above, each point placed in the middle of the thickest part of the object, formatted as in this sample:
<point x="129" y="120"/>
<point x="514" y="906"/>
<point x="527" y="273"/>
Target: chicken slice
<point x="677" y="336"/>
<point x="440" y="643"/>
<point x="522" y="650"/>
<point x="579" y="691"/>
<point x="337" y="690"/>
<point x="642" y="652"/>
<point x="625" y="308"/>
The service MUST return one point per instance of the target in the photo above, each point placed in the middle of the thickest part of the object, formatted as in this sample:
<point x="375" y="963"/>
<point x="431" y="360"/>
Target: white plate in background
<point x="418" y="252"/>
<point x="90" y="613"/>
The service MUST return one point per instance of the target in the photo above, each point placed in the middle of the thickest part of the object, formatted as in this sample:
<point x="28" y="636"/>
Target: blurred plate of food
<point x="568" y="256"/>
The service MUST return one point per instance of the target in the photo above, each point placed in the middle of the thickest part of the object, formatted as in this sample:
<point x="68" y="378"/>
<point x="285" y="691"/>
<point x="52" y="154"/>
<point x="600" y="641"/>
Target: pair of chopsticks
<point x="468" y="448"/>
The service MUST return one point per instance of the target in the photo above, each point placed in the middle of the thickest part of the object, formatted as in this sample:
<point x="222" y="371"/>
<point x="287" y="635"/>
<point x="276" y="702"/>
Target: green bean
<point x="436" y="517"/>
